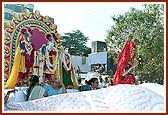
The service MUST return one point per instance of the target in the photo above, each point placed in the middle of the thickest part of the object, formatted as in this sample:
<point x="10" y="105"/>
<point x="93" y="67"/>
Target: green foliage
<point x="75" y="42"/>
<point x="146" y="29"/>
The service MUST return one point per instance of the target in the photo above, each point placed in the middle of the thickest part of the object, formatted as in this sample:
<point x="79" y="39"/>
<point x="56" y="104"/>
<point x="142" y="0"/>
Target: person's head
<point x="106" y="79"/>
<point x="132" y="48"/>
<point x="54" y="37"/>
<point x="27" y="33"/>
<point x="56" y="83"/>
<point x="20" y="83"/>
<point x="79" y="80"/>
<point x="133" y="51"/>
<point x="49" y="37"/>
<point x="94" y="83"/>
<point x="100" y="79"/>
<point x="86" y="82"/>
<point x="34" y="80"/>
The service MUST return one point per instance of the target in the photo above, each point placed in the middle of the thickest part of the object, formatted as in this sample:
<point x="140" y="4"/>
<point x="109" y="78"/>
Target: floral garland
<point x="41" y="65"/>
<point x="66" y="62"/>
<point x="36" y="60"/>
<point x="28" y="48"/>
<point x="51" y="67"/>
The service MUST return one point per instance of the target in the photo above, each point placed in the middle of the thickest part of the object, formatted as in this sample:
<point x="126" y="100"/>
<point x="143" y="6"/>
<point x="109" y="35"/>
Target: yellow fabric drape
<point x="22" y="63"/>
<point x="17" y="67"/>
<point x="74" y="77"/>
<point x="56" y="72"/>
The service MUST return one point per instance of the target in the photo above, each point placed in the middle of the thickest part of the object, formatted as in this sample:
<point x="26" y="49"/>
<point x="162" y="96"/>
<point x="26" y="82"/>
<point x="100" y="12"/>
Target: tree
<point x="75" y="42"/>
<point x="146" y="29"/>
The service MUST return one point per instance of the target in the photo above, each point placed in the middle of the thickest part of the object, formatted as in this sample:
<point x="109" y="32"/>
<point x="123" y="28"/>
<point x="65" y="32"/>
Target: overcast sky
<point x="91" y="18"/>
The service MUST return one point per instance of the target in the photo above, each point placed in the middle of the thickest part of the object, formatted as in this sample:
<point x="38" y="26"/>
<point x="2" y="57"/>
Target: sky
<point x="93" y="19"/>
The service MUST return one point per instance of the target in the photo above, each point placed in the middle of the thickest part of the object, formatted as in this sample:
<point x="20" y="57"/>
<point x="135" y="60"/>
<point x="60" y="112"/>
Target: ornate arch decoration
<point x="41" y="25"/>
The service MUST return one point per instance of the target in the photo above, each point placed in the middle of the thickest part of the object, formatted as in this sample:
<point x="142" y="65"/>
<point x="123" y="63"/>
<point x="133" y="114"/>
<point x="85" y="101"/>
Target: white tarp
<point x="127" y="98"/>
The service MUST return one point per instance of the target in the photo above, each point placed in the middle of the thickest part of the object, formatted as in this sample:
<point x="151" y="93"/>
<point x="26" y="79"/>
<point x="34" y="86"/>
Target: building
<point x="99" y="59"/>
<point x="98" y="46"/>
<point x="82" y="62"/>
<point x="10" y="9"/>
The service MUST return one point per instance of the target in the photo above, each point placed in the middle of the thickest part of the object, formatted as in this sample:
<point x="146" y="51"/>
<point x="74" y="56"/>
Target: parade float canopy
<point x="119" y="98"/>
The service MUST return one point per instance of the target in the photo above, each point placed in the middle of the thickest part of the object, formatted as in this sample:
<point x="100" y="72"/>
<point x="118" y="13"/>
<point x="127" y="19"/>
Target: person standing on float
<point x="126" y="65"/>
<point x="50" y="51"/>
<point x="23" y="60"/>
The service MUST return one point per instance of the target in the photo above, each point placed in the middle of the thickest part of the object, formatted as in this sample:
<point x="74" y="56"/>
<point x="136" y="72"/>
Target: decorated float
<point x="119" y="98"/>
<point x="40" y="55"/>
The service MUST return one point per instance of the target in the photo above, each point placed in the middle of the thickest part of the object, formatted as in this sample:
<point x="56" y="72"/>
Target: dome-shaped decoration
<point x="6" y="75"/>
<point x="7" y="36"/>
<point x="7" y="41"/>
<point x="15" y="15"/>
<point x="26" y="14"/>
<point x="37" y="15"/>
<point x="12" y="25"/>
<point x="6" y="65"/>
<point x="7" y="51"/>
<point x="26" y="11"/>
<point x="53" y="28"/>
<point x="7" y="25"/>
<point x="17" y="18"/>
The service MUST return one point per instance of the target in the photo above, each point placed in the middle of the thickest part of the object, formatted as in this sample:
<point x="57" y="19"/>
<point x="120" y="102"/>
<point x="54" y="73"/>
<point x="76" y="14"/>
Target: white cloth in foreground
<point x="157" y="88"/>
<point x="20" y="96"/>
<point x="117" y="98"/>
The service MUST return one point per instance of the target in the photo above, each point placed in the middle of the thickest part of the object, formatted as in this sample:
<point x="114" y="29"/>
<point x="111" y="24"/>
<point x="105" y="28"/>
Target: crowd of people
<point x="35" y="90"/>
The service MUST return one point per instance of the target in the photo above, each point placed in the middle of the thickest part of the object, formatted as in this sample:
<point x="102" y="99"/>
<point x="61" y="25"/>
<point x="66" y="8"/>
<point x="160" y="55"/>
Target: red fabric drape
<point x="123" y="58"/>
